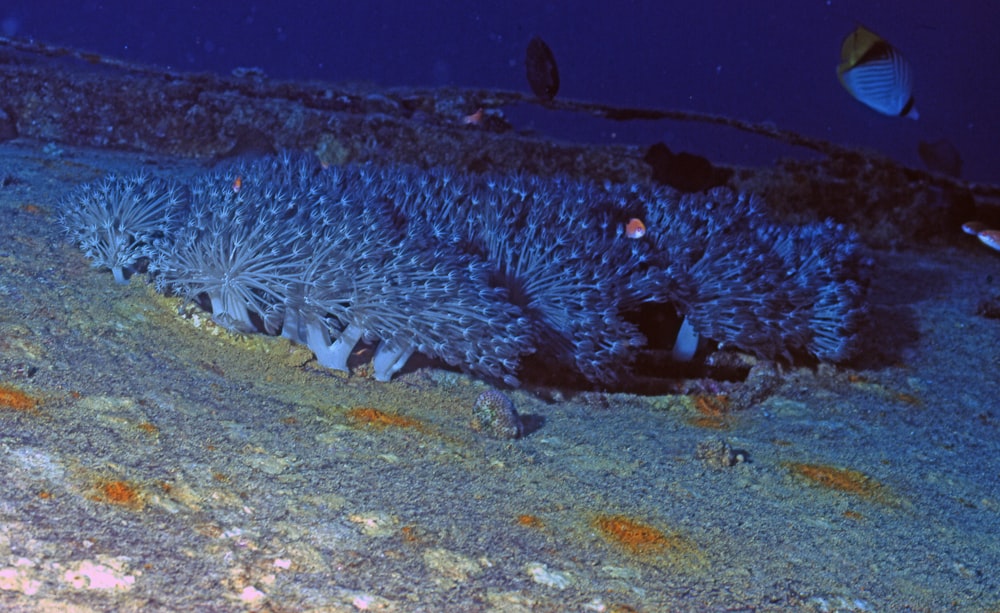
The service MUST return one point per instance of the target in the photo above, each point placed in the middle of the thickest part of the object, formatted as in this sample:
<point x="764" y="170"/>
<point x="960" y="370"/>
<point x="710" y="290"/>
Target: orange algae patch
<point x="715" y="405"/>
<point x="368" y="416"/>
<point x="840" y="479"/>
<point x="909" y="399"/>
<point x="13" y="398"/>
<point x="148" y="427"/>
<point x="711" y="423"/>
<point x="639" y="538"/>
<point x="530" y="521"/>
<point x="410" y="534"/>
<point x="713" y="411"/>
<point x="119" y="492"/>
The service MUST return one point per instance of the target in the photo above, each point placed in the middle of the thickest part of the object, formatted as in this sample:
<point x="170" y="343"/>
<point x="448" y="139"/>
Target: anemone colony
<point x="477" y="270"/>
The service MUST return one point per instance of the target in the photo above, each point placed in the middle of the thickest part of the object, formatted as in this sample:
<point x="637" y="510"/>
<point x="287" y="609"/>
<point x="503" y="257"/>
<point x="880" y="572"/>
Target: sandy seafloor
<point x="168" y="465"/>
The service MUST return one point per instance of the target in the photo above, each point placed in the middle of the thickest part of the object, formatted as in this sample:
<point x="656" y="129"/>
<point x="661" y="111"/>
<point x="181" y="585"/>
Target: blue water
<point x="771" y="62"/>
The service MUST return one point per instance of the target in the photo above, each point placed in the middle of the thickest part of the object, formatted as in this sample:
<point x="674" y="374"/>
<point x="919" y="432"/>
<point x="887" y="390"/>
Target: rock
<point x="717" y="453"/>
<point x="494" y="414"/>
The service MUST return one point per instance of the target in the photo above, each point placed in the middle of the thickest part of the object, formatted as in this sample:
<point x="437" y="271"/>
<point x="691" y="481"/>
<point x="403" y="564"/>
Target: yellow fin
<point x="856" y="45"/>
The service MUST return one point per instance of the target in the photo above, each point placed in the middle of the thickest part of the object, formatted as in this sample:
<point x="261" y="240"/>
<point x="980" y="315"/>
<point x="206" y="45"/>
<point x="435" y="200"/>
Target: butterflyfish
<point x="877" y="74"/>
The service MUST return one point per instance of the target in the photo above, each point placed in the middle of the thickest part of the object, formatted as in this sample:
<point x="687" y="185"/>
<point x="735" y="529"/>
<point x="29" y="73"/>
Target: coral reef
<point x="480" y="271"/>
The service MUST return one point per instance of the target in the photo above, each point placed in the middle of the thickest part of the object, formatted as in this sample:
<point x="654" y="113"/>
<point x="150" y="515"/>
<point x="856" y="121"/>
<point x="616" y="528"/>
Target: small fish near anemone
<point x="501" y="275"/>
<point x="877" y="74"/>
<point x="635" y="228"/>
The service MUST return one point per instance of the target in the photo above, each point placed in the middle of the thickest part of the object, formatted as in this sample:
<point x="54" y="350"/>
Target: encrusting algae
<point x="119" y="492"/>
<point x="713" y="411"/>
<point x="369" y="416"/>
<point x="282" y="245"/>
<point x="644" y="540"/>
<point x="12" y="398"/>
<point x="840" y="479"/>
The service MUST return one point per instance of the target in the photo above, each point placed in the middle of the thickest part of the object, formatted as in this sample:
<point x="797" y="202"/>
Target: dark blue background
<point x="762" y="61"/>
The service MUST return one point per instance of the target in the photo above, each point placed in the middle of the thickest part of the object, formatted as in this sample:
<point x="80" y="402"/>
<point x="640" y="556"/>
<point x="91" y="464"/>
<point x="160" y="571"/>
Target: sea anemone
<point x="366" y="280"/>
<point x="115" y="220"/>
<point x="547" y="249"/>
<point x="744" y="282"/>
<point x="478" y="271"/>
<point x="233" y="247"/>
<point x="278" y="245"/>
<point x="435" y="304"/>
<point x="824" y="278"/>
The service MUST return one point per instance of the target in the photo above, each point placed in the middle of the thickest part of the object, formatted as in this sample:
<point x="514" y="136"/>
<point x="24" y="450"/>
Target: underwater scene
<point x="503" y="306"/>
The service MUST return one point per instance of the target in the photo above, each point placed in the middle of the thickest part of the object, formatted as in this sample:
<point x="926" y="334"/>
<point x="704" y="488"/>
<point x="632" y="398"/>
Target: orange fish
<point x="474" y="119"/>
<point x="635" y="228"/>
<point x="237" y="185"/>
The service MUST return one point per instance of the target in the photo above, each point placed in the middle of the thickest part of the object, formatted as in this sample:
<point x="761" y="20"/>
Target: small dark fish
<point x="543" y="74"/>
<point x="941" y="156"/>
<point x="684" y="171"/>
